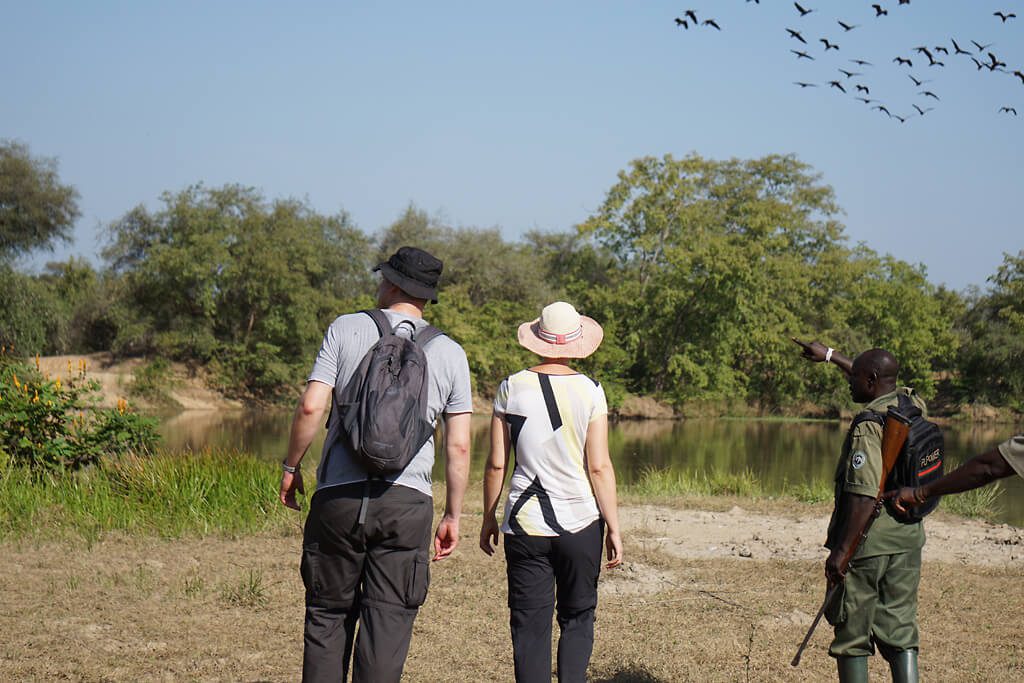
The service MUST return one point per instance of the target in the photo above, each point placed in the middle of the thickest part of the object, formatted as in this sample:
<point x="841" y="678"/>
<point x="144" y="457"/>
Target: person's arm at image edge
<point x="602" y="480"/>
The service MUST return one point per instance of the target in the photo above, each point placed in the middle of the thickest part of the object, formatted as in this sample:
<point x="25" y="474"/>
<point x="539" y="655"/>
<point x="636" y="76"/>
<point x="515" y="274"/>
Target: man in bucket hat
<point x="366" y="540"/>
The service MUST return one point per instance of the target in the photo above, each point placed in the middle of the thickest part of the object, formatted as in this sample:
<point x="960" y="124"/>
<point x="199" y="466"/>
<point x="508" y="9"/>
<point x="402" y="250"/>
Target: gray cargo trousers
<point x="374" y="574"/>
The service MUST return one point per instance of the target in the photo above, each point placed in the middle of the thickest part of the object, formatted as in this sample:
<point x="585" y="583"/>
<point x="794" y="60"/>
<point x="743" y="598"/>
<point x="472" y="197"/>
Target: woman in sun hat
<point x="561" y="506"/>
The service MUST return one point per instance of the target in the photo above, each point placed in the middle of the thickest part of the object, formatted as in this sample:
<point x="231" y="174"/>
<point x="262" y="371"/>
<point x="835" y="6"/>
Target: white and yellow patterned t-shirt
<point x="548" y="416"/>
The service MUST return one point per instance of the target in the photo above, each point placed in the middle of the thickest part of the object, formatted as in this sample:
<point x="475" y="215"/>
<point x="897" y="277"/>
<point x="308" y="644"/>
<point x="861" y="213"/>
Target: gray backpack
<point x="383" y="407"/>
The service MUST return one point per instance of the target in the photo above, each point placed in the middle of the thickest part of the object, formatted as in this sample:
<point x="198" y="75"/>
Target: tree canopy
<point x="699" y="270"/>
<point x="36" y="209"/>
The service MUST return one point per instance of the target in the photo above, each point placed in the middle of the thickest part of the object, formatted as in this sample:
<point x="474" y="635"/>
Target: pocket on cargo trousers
<point x="417" y="583"/>
<point x="835" y="611"/>
<point x="323" y="578"/>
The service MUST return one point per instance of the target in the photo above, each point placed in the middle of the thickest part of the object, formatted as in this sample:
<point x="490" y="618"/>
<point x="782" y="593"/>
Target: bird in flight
<point x="995" y="62"/>
<point x="847" y="27"/>
<point x="1004" y="16"/>
<point x="805" y="85"/>
<point x="682" y="22"/>
<point x="1007" y="110"/>
<point x="796" y="34"/>
<point x="882" y="108"/>
<point x="903" y="60"/>
<point x="712" y="23"/>
<point x="803" y="12"/>
<point x="849" y="74"/>
<point x="920" y="111"/>
<point x="879" y="11"/>
<point x="917" y="82"/>
<point x="978" y="64"/>
<point x="837" y="84"/>
<point x="1019" y="74"/>
<point x="939" y="48"/>
<point x="864" y="89"/>
<point x="860" y="62"/>
<point x="802" y="55"/>
<point x="828" y="45"/>
<point x="691" y="15"/>
<point x="958" y="49"/>
<point x="866" y="100"/>
<point x="901" y="119"/>
<point x="982" y="48"/>
<point x="928" y="93"/>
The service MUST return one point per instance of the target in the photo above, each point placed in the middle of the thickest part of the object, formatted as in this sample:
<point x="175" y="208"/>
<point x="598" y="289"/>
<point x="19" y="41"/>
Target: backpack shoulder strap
<point x="907" y="407"/>
<point x="867" y="416"/>
<point x="379" y="319"/>
<point x="426" y="334"/>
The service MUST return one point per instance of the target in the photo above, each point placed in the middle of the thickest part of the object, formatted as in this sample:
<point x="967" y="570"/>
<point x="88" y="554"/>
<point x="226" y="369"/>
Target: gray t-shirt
<point x="346" y="342"/>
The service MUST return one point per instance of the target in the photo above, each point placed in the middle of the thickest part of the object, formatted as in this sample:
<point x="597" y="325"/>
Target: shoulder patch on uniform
<point x="858" y="459"/>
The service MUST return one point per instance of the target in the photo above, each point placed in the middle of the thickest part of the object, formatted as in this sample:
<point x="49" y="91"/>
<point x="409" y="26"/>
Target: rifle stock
<point x="894" y="435"/>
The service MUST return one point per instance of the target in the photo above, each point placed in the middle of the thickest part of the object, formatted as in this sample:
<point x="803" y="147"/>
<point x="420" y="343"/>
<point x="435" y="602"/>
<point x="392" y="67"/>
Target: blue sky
<point x="520" y="115"/>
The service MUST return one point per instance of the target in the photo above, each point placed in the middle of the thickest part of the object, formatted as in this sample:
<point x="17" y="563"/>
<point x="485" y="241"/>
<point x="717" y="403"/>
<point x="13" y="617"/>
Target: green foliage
<point x="992" y="365"/>
<point x="167" y="494"/>
<point x="55" y="424"/>
<point x="35" y="208"/>
<point x="713" y="265"/>
<point x="221" y="275"/>
<point x="152" y="381"/>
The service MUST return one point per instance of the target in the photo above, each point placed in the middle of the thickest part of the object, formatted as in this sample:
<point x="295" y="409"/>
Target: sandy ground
<point x="188" y="391"/>
<point x="703" y="596"/>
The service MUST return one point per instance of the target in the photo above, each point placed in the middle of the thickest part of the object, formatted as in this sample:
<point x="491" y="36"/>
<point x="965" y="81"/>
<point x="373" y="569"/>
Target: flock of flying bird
<point x="853" y="82"/>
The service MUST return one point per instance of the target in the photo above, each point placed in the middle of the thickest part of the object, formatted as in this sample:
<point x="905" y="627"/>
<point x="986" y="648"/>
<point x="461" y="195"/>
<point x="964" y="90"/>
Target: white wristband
<point x="288" y="468"/>
<point x="828" y="355"/>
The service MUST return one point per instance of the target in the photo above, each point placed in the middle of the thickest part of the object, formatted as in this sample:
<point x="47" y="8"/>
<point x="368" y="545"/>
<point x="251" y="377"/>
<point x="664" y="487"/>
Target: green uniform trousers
<point x="877" y="605"/>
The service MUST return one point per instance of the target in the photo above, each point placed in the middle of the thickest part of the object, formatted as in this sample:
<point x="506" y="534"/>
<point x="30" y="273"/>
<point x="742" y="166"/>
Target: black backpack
<point x="383" y="407"/>
<point x="920" y="462"/>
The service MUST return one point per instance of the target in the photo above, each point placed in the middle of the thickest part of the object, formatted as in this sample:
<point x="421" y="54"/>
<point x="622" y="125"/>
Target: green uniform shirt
<point x="859" y="471"/>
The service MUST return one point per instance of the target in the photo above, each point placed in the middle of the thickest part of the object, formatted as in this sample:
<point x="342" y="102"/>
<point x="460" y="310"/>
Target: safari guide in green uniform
<point x="1005" y="459"/>
<point x="877" y="605"/>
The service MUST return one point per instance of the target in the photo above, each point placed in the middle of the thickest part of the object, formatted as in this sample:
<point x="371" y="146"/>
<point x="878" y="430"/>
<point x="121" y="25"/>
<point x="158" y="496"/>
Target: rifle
<point x="894" y="435"/>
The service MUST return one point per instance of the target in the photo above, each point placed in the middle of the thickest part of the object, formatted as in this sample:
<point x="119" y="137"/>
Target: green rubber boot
<point x="853" y="669"/>
<point x="903" y="665"/>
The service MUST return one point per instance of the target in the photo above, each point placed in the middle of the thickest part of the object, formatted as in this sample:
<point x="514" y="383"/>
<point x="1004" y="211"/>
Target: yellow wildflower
<point x="57" y="384"/>
<point x="37" y="361"/>
<point x="17" y="385"/>
<point x="35" y="399"/>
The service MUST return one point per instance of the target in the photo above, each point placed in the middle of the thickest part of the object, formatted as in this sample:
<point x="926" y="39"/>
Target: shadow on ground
<point x="631" y="675"/>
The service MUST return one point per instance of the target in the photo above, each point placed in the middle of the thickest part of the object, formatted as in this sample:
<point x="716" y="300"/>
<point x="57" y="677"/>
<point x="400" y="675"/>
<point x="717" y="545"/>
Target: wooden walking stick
<point x="894" y="435"/>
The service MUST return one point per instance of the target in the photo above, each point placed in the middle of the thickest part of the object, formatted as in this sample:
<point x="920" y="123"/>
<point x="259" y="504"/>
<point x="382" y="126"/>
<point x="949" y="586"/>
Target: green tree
<point x="711" y="262"/>
<point x="992" y="365"/>
<point x="35" y="207"/>
<point x="223" y="275"/>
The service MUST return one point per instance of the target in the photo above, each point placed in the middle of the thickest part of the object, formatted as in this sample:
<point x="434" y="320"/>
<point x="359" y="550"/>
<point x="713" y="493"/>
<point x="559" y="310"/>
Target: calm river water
<point x="778" y="452"/>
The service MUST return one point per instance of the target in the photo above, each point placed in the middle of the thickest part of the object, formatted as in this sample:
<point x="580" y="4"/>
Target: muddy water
<point x="777" y="452"/>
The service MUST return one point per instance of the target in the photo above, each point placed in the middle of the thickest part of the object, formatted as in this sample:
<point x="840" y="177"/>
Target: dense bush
<point x="55" y="424"/>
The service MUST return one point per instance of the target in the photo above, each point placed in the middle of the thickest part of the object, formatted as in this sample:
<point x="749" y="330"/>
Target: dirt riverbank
<point x="721" y="591"/>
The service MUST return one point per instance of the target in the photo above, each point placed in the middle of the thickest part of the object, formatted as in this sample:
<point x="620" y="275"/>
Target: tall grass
<point x="662" y="483"/>
<point x="981" y="503"/>
<point x="170" y="494"/>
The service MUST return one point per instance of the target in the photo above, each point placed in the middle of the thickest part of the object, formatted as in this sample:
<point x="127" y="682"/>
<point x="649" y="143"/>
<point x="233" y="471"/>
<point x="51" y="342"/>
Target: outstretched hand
<point x="902" y="498"/>
<point x="813" y="351"/>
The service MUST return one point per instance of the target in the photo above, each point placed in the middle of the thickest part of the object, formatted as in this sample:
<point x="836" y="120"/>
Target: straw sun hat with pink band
<point x="561" y="332"/>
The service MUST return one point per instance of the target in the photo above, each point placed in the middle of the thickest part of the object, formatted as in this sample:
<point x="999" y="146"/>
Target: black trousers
<point x="374" y="574"/>
<point x="545" y="574"/>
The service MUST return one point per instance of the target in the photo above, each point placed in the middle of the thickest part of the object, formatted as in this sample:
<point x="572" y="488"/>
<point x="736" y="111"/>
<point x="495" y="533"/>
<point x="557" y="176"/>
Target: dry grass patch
<point x="230" y="609"/>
